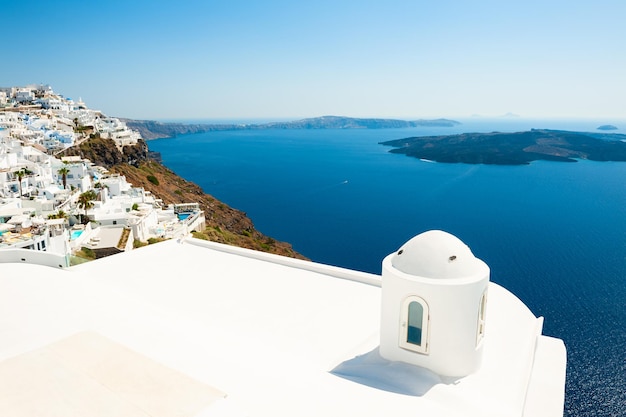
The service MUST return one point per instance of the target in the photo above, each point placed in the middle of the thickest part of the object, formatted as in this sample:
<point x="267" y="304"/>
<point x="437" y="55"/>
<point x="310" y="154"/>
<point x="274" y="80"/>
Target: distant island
<point x="518" y="148"/>
<point x="150" y="129"/>
<point x="607" y="127"/>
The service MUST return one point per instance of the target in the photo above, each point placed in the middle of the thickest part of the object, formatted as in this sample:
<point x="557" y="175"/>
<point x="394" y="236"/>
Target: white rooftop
<point x="249" y="334"/>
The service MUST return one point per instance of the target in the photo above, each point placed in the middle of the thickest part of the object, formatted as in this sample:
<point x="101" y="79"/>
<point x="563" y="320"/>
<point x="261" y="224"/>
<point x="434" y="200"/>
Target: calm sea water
<point x="552" y="233"/>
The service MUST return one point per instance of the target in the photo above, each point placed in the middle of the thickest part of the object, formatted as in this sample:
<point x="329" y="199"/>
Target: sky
<point x="242" y="59"/>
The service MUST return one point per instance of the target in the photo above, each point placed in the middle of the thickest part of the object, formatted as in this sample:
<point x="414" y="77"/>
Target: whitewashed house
<point x="116" y="130"/>
<point x="144" y="222"/>
<point x="24" y="95"/>
<point x="79" y="176"/>
<point x="116" y="185"/>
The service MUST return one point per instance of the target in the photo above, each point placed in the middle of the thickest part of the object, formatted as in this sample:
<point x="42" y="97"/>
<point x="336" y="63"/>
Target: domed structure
<point x="433" y="305"/>
<point x="438" y="255"/>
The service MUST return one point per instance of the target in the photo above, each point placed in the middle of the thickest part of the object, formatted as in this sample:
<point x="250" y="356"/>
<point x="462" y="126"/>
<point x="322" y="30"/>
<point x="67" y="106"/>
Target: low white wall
<point x="80" y="240"/>
<point x="196" y="221"/>
<point x="333" y="271"/>
<point x="129" y="242"/>
<point x="33" y="257"/>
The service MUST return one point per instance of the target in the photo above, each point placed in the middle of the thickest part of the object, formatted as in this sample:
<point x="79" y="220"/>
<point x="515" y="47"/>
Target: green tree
<point x="20" y="174"/>
<point x="58" y="215"/>
<point x="63" y="173"/>
<point x="85" y="201"/>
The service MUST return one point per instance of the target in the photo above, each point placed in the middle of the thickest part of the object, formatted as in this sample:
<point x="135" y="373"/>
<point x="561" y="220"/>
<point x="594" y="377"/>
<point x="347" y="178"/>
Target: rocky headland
<point x="514" y="148"/>
<point x="150" y="129"/>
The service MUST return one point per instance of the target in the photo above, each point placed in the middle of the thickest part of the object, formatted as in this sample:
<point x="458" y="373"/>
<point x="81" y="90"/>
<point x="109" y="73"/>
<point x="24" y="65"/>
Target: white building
<point x="116" y="198"/>
<point x="22" y="232"/>
<point x="85" y="117"/>
<point x="53" y="103"/>
<point x="79" y="176"/>
<point x="119" y="203"/>
<point x="24" y="95"/>
<point x="8" y="91"/>
<point x="9" y="120"/>
<point x="144" y="222"/>
<point x="61" y="139"/>
<point x="116" y="130"/>
<point x="116" y="185"/>
<point x="30" y="179"/>
<point x="439" y="288"/>
<point x="201" y="329"/>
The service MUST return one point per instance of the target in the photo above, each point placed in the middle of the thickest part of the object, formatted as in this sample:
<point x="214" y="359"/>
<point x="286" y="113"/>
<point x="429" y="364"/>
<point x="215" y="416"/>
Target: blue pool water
<point x="75" y="234"/>
<point x="552" y="233"/>
<point x="183" y="216"/>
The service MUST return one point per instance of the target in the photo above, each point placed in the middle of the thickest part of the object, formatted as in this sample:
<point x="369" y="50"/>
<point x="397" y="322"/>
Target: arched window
<point x="414" y="325"/>
<point x="482" y="309"/>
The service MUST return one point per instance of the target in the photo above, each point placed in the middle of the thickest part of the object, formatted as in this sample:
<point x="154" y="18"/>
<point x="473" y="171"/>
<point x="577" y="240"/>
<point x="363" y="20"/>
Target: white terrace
<point x="194" y="328"/>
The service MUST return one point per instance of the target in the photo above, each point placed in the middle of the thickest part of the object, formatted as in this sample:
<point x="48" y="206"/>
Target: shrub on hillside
<point x="153" y="179"/>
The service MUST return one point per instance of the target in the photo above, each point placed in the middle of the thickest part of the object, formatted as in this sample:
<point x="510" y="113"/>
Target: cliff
<point x="150" y="129"/>
<point x="224" y="224"/>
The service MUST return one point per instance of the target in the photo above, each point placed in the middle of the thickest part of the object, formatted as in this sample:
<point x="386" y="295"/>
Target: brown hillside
<point x="224" y="224"/>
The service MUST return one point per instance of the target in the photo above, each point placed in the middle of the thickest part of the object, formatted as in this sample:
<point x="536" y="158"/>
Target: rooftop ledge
<point x="333" y="271"/>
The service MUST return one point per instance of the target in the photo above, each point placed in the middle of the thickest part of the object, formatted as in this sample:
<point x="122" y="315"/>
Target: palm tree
<point x="63" y="171"/>
<point x="20" y="174"/>
<point x="85" y="200"/>
<point x="58" y="215"/>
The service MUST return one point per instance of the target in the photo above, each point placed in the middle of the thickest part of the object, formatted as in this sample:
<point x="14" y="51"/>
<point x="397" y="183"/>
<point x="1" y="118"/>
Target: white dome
<point x="437" y="254"/>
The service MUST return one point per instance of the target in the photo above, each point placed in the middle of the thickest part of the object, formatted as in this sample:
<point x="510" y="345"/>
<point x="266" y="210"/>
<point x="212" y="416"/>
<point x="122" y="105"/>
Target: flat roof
<point x="273" y="335"/>
<point x="89" y="375"/>
<point x="105" y="237"/>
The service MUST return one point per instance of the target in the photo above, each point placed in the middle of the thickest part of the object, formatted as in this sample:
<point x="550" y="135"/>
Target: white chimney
<point x="434" y="296"/>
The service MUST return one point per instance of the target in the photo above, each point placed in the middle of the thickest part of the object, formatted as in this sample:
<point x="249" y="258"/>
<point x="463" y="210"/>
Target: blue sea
<point x="553" y="233"/>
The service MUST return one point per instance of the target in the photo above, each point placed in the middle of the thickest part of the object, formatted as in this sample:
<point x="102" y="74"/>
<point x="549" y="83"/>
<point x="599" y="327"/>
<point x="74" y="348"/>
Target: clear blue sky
<point x="269" y="59"/>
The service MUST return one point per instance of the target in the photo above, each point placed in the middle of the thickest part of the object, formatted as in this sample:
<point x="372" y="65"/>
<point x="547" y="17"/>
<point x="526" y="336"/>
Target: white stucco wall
<point x="451" y="283"/>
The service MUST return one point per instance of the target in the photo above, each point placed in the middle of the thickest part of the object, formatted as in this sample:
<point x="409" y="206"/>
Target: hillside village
<point x="68" y="205"/>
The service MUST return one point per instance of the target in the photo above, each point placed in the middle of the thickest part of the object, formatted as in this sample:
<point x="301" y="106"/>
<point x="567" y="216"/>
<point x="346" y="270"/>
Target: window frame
<point x="482" y="314"/>
<point x="423" y="347"/>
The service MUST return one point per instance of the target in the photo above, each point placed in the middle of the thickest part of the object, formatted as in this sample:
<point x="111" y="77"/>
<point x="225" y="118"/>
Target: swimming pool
<point x="183" y="216"/>
<point x="75" y="233"/>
